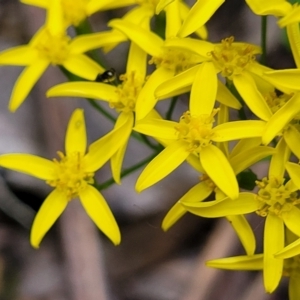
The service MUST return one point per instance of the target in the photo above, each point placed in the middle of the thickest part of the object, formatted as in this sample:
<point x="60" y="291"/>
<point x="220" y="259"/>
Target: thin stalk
<point x="171" y="108"/>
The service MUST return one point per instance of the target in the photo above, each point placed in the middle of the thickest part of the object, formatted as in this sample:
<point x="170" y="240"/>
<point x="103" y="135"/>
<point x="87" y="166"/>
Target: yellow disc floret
<point x="196" y="131"/>
<point x="54" y="48"/>
<point x="128" y="92"/>
<point x="175" y="60"/>
<point x="233" y="58"/>
<point x="275" y="197"/>
<point x="71" y="177"/>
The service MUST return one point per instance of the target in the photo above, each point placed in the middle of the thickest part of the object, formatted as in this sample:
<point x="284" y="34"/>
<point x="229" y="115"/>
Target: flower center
<point x="275" y="102"/>
<point x="128" y="92"/>
<point x="233" y="58"/>
<point x="175" y="60"/>
<point x="75" y="11"/>
<point x="71" y="177"/>
<point x="196" y="131"/>
<point x="275" y="197"/>
<point x="53" y="48"/>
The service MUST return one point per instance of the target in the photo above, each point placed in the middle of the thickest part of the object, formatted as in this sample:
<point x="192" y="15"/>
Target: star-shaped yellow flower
<point x="71" y="176"/>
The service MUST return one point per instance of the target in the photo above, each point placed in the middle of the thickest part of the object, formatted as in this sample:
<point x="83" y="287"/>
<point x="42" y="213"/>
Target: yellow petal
<point x="204" y="90"/>
<point x="294" y="287"/>
<point x="147" y="40"/>
<point x="244" y="204"/>
<point x="199" y="14"/>
<point x="173" y="18"/>
<point x="245" y="262"/>
<point x="98" y="210"/>
<point x="25" y="83"/>
<point x="17" y="56"/>
<point x="86" y="42"/>
<point x="244" y="232"/>
<point x="55" y="22"/>
<point x="291" y="17"/>
<point x="117" y="158"/>
<point x="269" y="7"/>
<point x="197" y="193"/>
<point x="278" y="160"/>
<point x="293" y="34"/>
<point x="291" y="250"/>
<point x="244" y="145"/>
<point x="162" y="165"/>
<point x="292" y="138"/>
<point x="249" y="157"/>
<point x="100" y="151"/>
<point x="95" y="5"/>
<point x="146" y="99"/>
<point x="94" y="90"/>
<point x="281" y="118"/>
<point x="225" y="97"/>
<point x="238" y="130"/>
<point x="273" y="242"/>
<point x="29" y="164"/>
<point x="76" y="133"/>
<point x="217" y="167"/>
<point x="48" y="213"/>
<point x="161" y="5"/>
<point x="294" y="172"/>
<point x="246" y="87"/>
<point x="82" y="66"/>
<point x="182" y="80"/>
<point x="38" y="3"/>
<point x="158" y="128"/>
<point x="136" y="61"/>
<point x="288" y="78"/>
<point x="291" y="220"/>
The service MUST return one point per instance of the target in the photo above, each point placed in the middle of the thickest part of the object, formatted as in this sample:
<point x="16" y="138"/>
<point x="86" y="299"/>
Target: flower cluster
<point x="219" y="77"/>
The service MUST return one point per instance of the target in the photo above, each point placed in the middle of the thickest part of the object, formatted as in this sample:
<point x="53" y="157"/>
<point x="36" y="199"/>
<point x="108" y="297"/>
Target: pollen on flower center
<point x="54" y="48"/>
<point x="75" y="11"/>
<point x="71" y="175"/>
<point x="275" y="101"/>
<point x="175" y="60"/>
<point x="233" y="58"/>
<point x="128" y="92"/>
<point x="275" y="197"/>
<point x="196" y="131"/>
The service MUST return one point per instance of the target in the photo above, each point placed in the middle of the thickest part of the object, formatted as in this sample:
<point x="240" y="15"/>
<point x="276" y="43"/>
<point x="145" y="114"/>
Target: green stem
<point x="100" y="109"/>
<point x="171" y="108"/>
<point x="264" y="23"/>
<point x="126" y="172"/>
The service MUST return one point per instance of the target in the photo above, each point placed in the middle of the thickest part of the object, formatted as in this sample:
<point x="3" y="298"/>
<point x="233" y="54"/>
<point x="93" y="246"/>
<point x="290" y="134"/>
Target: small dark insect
<point x="107" y="76"/>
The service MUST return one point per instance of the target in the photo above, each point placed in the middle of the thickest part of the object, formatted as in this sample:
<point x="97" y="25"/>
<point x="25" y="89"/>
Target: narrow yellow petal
<point x="218" y="168"/>
<point x="76" y="139"/>
<point x="86" y="42"/>
<point x="291" y="250"/>
<point x="82" y="66"/>
<point x="244" y="232"/>
<point x="238" y="130"/>
<point x="244" y="204"/>
<point x="96" y="5"/>
<point x="162" y="165"/>
<point x="173" y="18"/>
<point x="291" y="220"/>
<point x="55" y="22"/>
<point x="100" y="151"/>
<point x="292" y="138"/>
<point x="117" y="158"/>
<point x="98" y="210"/>
<point x="242" y="263"/>
<point x="137" y="60"/>
<point x="278" y="160"/>
<point x="269" y="7"/>
<point x="294" y="172"/>
<point x="225" y="97"/>
<point x="157" y="128"/>
<point x="249" y="157"/>
<point x="281" y="118"/>
<point x="25" y="83"/>
<point x="147" y="40"/>
<point x="244" y="145"/>
<point x="199" y="14"/>
<point x="49" y="212"/>
<point x="204" y="90"/>
<point x="288" y="78"/>
<point x="161" y="5"/>
<point x="17" y="56"/>
<point x="94" y="90"/>
<point x="273" y="242"/>
<point x="29" y="164"/>
<point x="290" y="18"/>
<point x="197" y="193"/>
<point x="38" y="3"/>
<point x="246" y="87"/>
<point x="146" y="99"/>
<point x="293" y="34"/>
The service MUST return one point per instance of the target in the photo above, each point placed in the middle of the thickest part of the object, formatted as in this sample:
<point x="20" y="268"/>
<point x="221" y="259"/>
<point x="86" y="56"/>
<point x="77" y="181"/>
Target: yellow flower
<point x="234" y="61"/>
<point x="194" y="135"/>
<point x="50" y="45"/>
<point x="276" y="201"/>
<point x="71" y="176"/>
